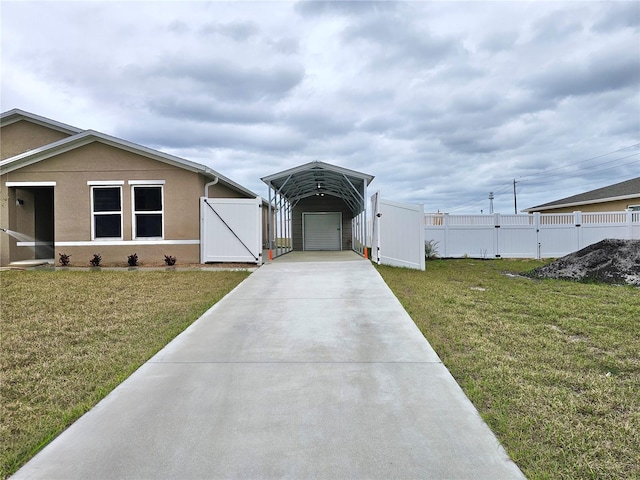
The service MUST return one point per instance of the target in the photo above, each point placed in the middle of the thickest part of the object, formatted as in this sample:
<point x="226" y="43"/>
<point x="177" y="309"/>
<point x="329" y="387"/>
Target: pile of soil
<point x="609" y="261"/>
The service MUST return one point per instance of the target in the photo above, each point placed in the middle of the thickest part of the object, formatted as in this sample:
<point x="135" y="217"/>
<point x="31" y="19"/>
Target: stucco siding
<point x="221" y="191"/>
<point x="22" y="136"/>
<point x="118" y="254"/>
<point x="321" y="204"/>
<point x="614" y="206"/>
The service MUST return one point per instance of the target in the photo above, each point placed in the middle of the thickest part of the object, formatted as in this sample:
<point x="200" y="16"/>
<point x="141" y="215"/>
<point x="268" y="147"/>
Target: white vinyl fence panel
<point x="397" y="233"/>
<point x="526" y="236"/>
<point x="231" y="230"/>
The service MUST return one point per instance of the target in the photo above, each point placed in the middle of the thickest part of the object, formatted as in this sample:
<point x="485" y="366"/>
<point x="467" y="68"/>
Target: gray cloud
<point x="599" y="74"/>
<point x="209" y="110"/>
<point x="238" y="31"/>
<point x="499" y="41"/>
<point x="622" y="15"/>
<point x="311" y="8"/>
<point x="225" y="79"/>
<point x="397" y="40"/>
<point x="556" y="26"/>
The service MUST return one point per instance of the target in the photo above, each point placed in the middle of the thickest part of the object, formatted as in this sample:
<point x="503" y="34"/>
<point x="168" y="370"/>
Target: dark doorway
<point x="44" y="222"/>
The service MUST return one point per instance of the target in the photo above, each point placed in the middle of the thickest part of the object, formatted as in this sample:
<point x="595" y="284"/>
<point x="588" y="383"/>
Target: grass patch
<point x="68" y="338"/>
<point x="553" y="366"/>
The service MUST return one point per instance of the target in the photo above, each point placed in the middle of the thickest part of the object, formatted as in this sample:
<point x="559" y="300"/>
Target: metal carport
<point x="316" y="188"/>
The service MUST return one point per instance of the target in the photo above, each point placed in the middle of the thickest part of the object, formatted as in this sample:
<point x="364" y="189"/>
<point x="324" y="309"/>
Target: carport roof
<point x="317" y="178"/>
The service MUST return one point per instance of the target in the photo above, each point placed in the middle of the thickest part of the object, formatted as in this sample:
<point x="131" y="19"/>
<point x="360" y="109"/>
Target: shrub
<point x="64" y="259"/>
<point x="132" y="260"/>
<point x="169" y="260"/>
<point x="95" y="261"/>
<point x="430" y="249"/>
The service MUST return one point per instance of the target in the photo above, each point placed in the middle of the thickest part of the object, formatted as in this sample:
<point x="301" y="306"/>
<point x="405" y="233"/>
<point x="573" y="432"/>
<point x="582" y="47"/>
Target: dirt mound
<point x="609" y="261"/>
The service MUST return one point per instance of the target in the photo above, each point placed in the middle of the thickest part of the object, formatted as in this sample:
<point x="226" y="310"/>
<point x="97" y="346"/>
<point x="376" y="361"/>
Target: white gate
<point x="397" y="234"/>
<point x="231" y="230"/>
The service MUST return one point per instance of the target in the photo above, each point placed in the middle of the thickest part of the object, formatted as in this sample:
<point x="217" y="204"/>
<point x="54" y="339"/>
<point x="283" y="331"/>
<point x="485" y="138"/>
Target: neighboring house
<point x="81" y="192"/>
<point x="620" y="196"/>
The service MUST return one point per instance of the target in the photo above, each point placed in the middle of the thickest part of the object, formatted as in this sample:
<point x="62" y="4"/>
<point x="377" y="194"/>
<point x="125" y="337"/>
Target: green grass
<point x="552" y="366"/>
<point x="68" y="338"/>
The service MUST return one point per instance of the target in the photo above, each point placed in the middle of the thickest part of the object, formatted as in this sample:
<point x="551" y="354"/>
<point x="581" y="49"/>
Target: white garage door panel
<point x="322" y="231"/>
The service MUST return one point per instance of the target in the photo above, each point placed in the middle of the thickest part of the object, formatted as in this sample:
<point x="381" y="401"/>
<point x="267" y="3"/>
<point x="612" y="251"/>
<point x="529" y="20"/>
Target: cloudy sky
<point x="442" y="101"/>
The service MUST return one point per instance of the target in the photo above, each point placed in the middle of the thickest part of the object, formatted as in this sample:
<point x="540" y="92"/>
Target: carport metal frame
<point x="288" y="187"/>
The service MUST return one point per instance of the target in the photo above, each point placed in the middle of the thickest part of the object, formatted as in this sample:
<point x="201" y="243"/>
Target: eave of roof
<point x="628" y="189"/>
<point x="15" y="115"/>
<point x="89" y="136"/>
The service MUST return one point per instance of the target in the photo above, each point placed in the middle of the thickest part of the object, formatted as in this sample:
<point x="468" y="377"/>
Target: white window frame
<point x="146" y="183"/>
<point x="101" y="184"/>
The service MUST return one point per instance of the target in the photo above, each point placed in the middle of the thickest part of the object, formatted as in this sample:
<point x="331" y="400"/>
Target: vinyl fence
<point x="539" y="235"/>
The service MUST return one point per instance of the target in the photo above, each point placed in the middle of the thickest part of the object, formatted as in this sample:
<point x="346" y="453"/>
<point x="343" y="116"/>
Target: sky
<point x="443" y="102"/>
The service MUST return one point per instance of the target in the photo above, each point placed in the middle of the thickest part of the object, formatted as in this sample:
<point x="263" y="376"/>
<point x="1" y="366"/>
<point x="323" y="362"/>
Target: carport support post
<point x="279" y="234"/>
<point x="364" y="226"/>
<point x="269" y="226"/>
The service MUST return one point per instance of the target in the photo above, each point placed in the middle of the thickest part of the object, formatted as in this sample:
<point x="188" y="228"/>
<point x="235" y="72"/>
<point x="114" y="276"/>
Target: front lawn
<point x="553" y="366"/>
<point x="68" y="338"/>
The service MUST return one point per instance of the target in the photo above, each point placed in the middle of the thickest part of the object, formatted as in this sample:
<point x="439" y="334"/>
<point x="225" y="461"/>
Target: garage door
<point x="322" y="231"/>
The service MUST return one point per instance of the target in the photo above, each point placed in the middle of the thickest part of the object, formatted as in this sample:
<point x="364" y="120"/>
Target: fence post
<point x="445" y="222"/>
<point x="577" y="221"/>
<point x="629" y="224"/>
<point x="496" y="235"/>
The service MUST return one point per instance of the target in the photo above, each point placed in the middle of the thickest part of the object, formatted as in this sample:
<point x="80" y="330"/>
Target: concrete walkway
<point x="305" y="370"/>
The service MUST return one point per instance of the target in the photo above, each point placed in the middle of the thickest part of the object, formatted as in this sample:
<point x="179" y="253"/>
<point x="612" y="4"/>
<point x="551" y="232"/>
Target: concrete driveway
<point x="306" y="370"/>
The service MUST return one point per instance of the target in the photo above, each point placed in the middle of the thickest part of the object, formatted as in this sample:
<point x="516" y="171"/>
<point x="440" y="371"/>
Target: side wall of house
<point x="22" y="136"/>
<point x="72" y="173"/>
<point x="321" y="204"/>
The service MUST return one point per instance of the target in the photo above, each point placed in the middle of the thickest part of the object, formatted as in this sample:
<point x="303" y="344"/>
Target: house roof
<point x="318" y="178"/>
<point x="15" y="115"/>
<point x="628" y="189"/>
<point x="81" y="138"/>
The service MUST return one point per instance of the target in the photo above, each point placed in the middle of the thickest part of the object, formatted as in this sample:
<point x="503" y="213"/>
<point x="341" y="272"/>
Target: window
<point x="634" y="208"/>
<point x="147" y="211"/>
<point x="106" y="211"/>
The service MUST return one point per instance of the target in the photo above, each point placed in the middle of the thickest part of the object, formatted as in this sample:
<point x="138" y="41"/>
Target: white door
<point x="322" y="231"/>
<point x="231" y="230"/>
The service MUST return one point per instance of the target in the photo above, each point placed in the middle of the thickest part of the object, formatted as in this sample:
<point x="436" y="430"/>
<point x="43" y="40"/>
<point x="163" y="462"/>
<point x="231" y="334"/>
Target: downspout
<point x="206" y="195"/>
<point x="210" y="184"/>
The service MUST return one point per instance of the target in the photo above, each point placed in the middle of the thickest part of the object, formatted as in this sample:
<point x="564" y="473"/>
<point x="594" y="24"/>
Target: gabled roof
<point x="15" y="115"/>
<point x="319" y="178"/>
<point x="81" y="138"/>
<point x="628" y="189"/>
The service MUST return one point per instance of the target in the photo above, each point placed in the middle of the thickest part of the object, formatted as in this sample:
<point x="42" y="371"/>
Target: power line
<point x="589" y="176"/>
<point x="554" y="178"/>
<point x="548" y="179"/>
<point x="581" y="161"/>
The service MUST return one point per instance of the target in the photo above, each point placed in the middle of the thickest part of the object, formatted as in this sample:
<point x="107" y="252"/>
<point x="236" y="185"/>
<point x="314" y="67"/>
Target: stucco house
<point x="613" y="198"/>
<point x="81" y="192"/>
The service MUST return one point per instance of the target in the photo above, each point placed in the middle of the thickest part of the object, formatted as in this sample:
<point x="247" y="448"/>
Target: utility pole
<point x="515" y="199"/>
<point x="491" y="202"/>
